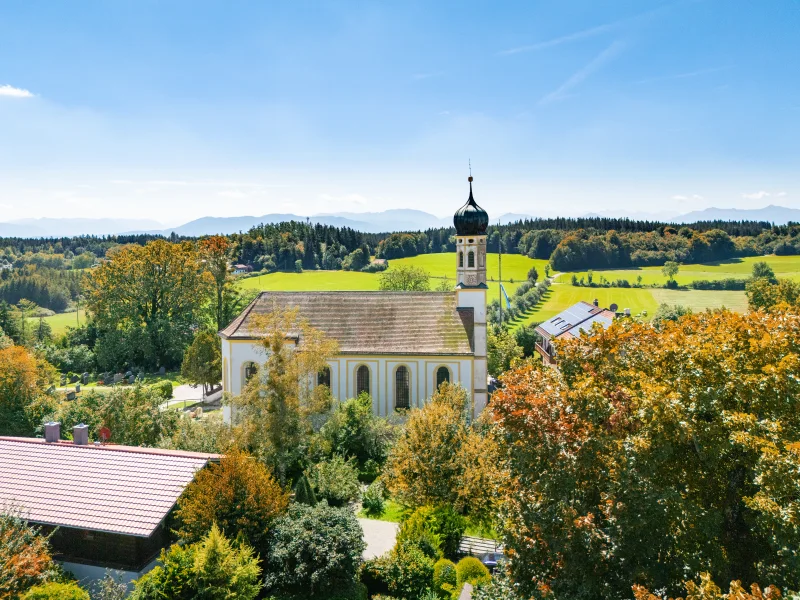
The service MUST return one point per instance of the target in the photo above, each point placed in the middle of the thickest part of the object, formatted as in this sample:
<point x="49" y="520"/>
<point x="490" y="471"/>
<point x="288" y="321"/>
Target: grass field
<point x="439" y="266"/>
<point x="60" y="322"/>
<point x="740" y="268"/>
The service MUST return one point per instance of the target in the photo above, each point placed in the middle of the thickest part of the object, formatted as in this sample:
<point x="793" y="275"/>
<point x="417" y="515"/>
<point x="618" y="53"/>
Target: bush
<point x="163" y="389"/>
<point x="450" y="527"/>
<point x="25" y="558"/>
<point x="56" y="591"/>
<point x="372" y="501"/>
<point x="471" y="570"/>
<point x="303" y="492"/>
<point x="719" y="284"/>
<point x="335" y="480"/>
<point x="418" y="530"/>
<point x="444" y="573"/>
<point x="410" y="571"/>
<point x="313" y="551"/>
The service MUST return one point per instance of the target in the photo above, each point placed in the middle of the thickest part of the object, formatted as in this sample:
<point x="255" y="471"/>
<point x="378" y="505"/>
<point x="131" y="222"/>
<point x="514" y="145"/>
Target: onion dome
<point x="471" y="219"/>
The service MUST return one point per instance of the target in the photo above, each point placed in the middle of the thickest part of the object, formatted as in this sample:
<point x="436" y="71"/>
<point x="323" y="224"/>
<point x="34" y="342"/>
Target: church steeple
<point x="471" y="222"/>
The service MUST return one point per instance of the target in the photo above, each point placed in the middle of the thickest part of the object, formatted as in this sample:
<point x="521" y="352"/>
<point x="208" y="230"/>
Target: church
<point x="396" y="346"/>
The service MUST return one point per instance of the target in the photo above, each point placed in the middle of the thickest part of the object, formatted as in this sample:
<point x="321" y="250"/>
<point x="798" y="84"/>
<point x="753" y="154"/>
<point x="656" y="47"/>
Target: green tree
<point x="764" y="294"/>
<point x="405" y="278"/>
<point x="152" y="296"/>
<point x="660" y="471"/>
<point x="273" y="410"/>
<point x="669" y="312"/>
<point x="502" y="351"/>
<point x="211" y="569"/>
<point x="314" y="552"/>
<point x="335" y="480"/>
<point x="533" y="275"/>
<point x="8" y="324"/>
<point x="202" y="361"/>
<point x="762" y="270"/>
<point x="239" y="494"/>
<point x="670" y="269"/>
<point x="215" y="253"/>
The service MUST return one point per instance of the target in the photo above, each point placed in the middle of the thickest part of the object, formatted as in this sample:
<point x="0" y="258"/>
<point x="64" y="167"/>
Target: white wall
<point x="422" y="371"/>
<point x="87" y="575"/>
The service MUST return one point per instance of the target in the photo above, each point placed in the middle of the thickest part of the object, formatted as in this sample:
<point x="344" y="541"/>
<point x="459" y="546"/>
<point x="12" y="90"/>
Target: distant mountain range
<point x="371" y="222"/>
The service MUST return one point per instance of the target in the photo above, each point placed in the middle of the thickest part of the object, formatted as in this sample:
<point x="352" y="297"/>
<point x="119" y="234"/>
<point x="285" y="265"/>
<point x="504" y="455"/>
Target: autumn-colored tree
<point x="202" y="361"/>
<point x="274" y="408"/>
<point x="708" y="590"/>
<point x="150" y="296"/>
<point x="239" y="494"/>
<point x="440" y="459"/>
<point x="25" y="558"/>
<point x="226" y="300"/>
<point x="653" y="454"/>
<point x="23" y="400"/>
<point x="765" y="293"/>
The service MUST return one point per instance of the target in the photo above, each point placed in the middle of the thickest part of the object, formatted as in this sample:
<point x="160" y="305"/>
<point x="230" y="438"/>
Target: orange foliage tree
<point x="653" y="456"/>
<point x="239" y="494"/>
<point x="24" y="557"/>
<point x="708" y="590"/>
<point x="23" y="402"/>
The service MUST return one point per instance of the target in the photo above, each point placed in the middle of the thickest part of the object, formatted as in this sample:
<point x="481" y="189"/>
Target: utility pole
<point x="500" y="269"/>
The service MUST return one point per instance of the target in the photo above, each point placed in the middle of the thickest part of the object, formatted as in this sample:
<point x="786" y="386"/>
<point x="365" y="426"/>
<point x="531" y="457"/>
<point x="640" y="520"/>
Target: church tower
<point x="471" y="222"/>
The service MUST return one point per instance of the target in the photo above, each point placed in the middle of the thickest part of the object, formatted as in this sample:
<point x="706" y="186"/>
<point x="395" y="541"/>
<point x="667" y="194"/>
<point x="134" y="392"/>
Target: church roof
<point x="372" y="322"/>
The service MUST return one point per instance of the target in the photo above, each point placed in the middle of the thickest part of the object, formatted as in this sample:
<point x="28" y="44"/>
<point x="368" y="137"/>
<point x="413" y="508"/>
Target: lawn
<point x="740" y="268"/>
<point x="61" y="321"/>
<point x="515" y="267"/>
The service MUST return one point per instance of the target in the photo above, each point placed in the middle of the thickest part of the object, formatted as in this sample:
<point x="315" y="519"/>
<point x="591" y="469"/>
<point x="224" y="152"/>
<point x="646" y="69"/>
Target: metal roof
<point x="602" y="318"/>
<point x="577" y="318"/>
<point x="116" y="489"/>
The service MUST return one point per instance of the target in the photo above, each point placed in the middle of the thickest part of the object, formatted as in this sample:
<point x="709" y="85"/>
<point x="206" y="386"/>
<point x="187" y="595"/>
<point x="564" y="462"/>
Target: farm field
<point x="740" y="268"/>
<point x="61" y="321"/>
<point x="440" y="266"/>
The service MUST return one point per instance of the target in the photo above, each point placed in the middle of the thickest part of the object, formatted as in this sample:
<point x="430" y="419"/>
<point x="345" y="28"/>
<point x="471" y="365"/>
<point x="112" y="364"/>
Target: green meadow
<point x="739" y="268"/>
<point x="59" y="323"/>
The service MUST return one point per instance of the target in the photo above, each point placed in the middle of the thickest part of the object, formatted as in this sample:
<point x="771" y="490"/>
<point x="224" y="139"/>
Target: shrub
<point x="313" y="551"/>
<point x="418" y="530"/>
<point x="444" y="573"/>
<point x="372" y="501"/>
<point x="56" y="591"/>
<point x="470" y="570"/>
<point x="24" y="556"/>
<point x="410" y="571"/>
<point x="303" y="492"/>
<point x="163" y="389"/>
<point x="239" y="494"/>
<point x="335" y="480"/>
<point x="450" y="527"/>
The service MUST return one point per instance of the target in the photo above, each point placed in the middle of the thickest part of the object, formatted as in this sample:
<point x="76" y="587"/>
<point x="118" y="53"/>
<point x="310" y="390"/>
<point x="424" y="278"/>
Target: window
<point x="402" y="388"/>
<point x="362" y="380"/>
<point x="324" y="377"/>
<point x="460" y="258"/>
<point x="250" y="369"/>
<point x="470" y="259"/>
<point x="442" y="376"/>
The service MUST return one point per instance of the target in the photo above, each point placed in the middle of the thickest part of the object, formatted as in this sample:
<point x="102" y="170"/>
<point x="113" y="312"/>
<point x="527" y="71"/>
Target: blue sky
<point x="176" y="110"/>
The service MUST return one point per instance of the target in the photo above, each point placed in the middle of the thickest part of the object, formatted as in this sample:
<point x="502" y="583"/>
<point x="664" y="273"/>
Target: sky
<point x="176" y="110"/>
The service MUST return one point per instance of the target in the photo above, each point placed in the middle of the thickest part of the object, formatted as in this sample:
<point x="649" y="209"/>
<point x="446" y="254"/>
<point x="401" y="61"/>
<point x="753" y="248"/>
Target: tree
<point x="502" y="351"/>
<point x="25" y="558"/>
<point x="23" y="400"/>
<point x="764" y="294"/>
<point x="669" y="312"/>
<point x="661" y="470"/>
<point x="202" y="361"/>
<point x="405" y="278"/>
<point x="274" y="408"/>
<point x="335" y="480"/>
<point x="314" y="552"/>
<point x="533" y="275"/>
<point x="239" y="494"/>
<point x="762" y="270"/>
<point x="440" y="459"/>
<point x="547" y="270"/>
<point x="7" y="323"/>
<point x="25" y="308"/>
<point x="215" y="252"/>
<point x="152" y="296"/>
<point x="211" y="569"/>
<point x="670" y="269"/>
<point x="708" y="590"/>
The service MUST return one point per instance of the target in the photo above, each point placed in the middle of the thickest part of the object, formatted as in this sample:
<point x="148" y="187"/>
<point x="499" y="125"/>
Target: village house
<point x="107" y="506"/>
<point x="570" y="324"/>
<point x="396" y="346"/>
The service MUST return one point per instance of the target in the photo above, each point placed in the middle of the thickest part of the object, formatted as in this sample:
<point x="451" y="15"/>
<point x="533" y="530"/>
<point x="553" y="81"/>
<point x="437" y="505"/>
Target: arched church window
<point x="362" y="380"/>
<point x="442" y="376"/>
<point x="470" y="259"/>
<point x="460" y="258"/>
<point x="402" y="388"/>
<point x="324" y="377"/>
<point x="250" y="369"/>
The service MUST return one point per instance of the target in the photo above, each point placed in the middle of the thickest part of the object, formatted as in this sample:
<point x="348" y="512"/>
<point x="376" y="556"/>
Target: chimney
<point x="52" y="432"/>
<point x="596" y="302"/>
<point x="627" y="312"/>
<point x="80" y="435"/>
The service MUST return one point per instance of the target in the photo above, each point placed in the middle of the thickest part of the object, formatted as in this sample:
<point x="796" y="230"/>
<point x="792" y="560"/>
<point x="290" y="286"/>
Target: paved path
<point x="379" y="535"/>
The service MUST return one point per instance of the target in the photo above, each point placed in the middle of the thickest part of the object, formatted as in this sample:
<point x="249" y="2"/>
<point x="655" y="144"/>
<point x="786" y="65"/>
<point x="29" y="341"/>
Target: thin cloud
<point x="582" y="74"/>
<point x="11" y="92"/>
<point x="564" y="39"/>
<point x="760" y="195"/>
<point x="687" y="75"/>
<point x="682" y="198"/>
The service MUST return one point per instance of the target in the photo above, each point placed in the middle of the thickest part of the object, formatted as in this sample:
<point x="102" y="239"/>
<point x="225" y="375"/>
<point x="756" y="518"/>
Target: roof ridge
<point x="113" y="447"/>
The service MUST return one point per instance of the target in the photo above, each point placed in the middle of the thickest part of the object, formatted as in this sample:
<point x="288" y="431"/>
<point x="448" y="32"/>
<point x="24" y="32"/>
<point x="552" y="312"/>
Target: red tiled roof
<point x="116" y="489"/>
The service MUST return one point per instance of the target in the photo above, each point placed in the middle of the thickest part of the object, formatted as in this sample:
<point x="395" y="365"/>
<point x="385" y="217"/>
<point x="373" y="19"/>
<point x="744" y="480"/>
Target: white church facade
<point x="396" y="346"/>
